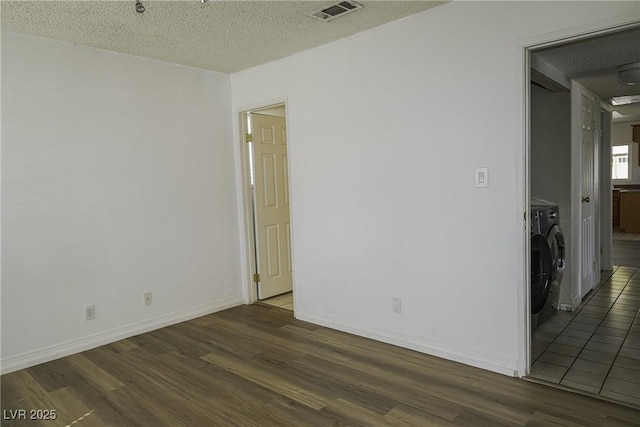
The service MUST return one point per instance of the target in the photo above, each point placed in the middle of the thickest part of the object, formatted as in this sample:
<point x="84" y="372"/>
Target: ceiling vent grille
<point x="339" y="9"/>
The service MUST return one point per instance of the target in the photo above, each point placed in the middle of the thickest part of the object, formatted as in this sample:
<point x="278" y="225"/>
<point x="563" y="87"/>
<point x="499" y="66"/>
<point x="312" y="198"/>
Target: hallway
<point x="596" y="348"/>
<point x="626" y="249"/>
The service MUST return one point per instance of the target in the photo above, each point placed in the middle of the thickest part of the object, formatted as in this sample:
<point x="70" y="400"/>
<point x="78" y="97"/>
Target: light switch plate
<point x="482" y="177"/>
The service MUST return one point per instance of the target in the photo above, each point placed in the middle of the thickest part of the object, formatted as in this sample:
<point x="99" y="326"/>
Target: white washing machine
<point x="547" y="260"/>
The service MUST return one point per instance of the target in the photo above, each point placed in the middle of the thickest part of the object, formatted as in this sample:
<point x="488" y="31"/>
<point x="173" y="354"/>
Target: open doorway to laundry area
<point x="267" y="190"/>
<point x="585" y="327"/>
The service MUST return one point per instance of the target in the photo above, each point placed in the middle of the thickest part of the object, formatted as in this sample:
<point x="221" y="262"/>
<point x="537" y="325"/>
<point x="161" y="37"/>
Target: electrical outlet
<point x="147" y="298"/>
<point x="90" y="312"/>
<point x="396" y="305"/>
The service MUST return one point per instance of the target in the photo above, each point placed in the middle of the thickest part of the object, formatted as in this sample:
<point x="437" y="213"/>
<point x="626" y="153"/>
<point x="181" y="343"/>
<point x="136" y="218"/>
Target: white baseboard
<point x="46" y="354"/>
<point x="492" y="363"/>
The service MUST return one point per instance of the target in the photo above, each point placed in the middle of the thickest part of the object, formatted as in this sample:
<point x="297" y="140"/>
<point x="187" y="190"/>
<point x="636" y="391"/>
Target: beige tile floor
<point x="596" y="348"/>
<point x="283" y="301"/>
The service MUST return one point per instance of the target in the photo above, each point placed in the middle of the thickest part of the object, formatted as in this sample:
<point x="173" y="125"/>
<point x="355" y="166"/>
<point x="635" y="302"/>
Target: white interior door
<point x="587" y="223"/>
<point x="271" y="186"/>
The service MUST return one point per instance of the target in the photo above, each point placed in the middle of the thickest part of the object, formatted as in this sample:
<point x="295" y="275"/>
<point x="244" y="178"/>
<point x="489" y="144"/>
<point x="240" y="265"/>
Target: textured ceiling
<point x="224" y="36"/>
<point x="594" y="62"/>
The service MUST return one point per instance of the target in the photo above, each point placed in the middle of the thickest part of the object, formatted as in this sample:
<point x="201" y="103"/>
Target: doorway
<point x="590" y="343"/>
<point x="267" y="177"/>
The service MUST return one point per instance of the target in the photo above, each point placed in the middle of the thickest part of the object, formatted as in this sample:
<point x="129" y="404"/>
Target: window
<point x="620" y="162"/>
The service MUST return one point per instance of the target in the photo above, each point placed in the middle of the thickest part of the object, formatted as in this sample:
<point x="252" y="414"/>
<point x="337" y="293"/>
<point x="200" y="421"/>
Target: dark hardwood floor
<point x="258" y="366"/>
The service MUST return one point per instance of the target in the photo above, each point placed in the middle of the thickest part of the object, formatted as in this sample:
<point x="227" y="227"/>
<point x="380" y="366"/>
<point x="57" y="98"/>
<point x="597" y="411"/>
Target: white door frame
<point x="538" y="42"/>
<point x="606" y="194"/>
<point x="245" y="202"/>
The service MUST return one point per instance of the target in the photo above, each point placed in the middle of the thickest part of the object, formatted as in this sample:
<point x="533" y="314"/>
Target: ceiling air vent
<point x="335" y="10"/>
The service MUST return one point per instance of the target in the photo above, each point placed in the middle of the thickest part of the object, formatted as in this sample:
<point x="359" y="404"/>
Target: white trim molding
<point x="46" y="354"/>
<point x="485" y="361"/>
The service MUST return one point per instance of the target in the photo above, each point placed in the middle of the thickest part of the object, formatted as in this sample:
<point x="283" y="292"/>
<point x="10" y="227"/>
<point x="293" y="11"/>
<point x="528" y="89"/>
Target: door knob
<point x="586" y="199"/>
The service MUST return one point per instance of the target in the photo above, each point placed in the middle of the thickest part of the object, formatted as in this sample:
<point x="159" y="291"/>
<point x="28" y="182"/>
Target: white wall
<point x="621" y="135"/>
<point x="551" y="164"/>
<point x="117" y="179"/>
<point x="376" y="213"/>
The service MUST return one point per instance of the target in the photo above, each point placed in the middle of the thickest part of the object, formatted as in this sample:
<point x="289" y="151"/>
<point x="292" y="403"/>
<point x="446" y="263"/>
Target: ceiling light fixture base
<point x="629" y="74"/>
